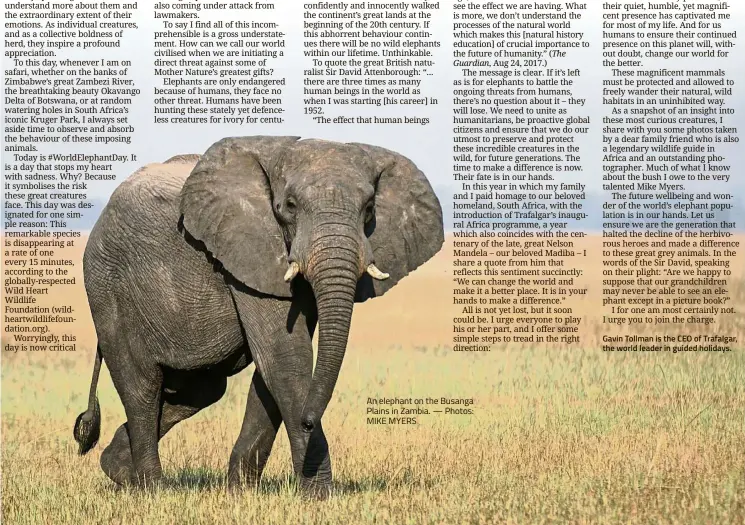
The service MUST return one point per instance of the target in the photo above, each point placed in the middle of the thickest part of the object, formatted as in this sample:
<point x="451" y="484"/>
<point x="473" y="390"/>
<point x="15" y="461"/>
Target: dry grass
<point x="558" y="435"/>
<point x="563" y="435"/>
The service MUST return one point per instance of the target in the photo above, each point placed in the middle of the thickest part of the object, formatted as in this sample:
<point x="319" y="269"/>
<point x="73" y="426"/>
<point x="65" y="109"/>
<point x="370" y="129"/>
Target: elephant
<point x="201" y="265"/>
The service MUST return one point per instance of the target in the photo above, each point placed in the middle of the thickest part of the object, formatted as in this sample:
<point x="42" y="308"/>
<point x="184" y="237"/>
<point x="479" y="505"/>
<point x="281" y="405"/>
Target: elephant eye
<point x="290" y="204"/>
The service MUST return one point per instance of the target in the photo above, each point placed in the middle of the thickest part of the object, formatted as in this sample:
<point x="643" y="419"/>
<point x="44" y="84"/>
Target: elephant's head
<point x="352" y="219"/>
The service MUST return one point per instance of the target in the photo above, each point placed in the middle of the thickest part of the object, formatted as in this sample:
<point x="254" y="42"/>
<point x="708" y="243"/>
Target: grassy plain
<point x="562" y="434"/>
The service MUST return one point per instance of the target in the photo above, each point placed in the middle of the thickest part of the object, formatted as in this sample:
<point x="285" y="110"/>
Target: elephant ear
<point x="407" y="230"/>
<point x="226" y="203"/>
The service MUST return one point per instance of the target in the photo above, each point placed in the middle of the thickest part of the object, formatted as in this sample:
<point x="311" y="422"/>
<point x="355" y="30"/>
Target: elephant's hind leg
<point x="140" y="392"/>
<point x="116" y="460"/>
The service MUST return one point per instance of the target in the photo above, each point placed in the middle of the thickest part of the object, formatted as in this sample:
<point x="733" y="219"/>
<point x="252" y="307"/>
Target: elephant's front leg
<point x="281" y="345"/>
<point x="260" y="426"/>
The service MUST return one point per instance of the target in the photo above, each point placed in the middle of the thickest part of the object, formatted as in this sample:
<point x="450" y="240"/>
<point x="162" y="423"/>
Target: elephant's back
<point x="142" y="207"/>
<point x="155" y="183"/>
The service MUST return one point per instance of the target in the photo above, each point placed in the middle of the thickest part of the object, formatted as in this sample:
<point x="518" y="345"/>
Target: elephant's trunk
<point x="333" y="267"/>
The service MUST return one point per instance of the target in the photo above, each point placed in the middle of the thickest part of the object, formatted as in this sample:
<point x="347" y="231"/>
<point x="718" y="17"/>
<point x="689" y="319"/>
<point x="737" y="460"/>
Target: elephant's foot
<point x="151" y="479"/>
<point x="314" y="474"/>
<point x="315" y="488"/>
<point x="314" y="477"/>
<point x="117" y="464"/>
<point x="116" y="459"/>
<point x="243" y="475"/>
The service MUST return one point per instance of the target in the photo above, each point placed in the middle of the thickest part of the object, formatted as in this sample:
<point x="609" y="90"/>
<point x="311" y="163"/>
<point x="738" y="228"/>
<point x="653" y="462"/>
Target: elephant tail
<point x="88" y="424"/>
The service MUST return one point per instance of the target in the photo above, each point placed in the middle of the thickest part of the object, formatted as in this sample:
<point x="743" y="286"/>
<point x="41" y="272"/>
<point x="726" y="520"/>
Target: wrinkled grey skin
<point x="184" y="274"/>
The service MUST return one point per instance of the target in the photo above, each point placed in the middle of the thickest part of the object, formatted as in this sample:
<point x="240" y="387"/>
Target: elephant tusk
<point x="375" y="273"/>
<point x="292" y="271"/>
